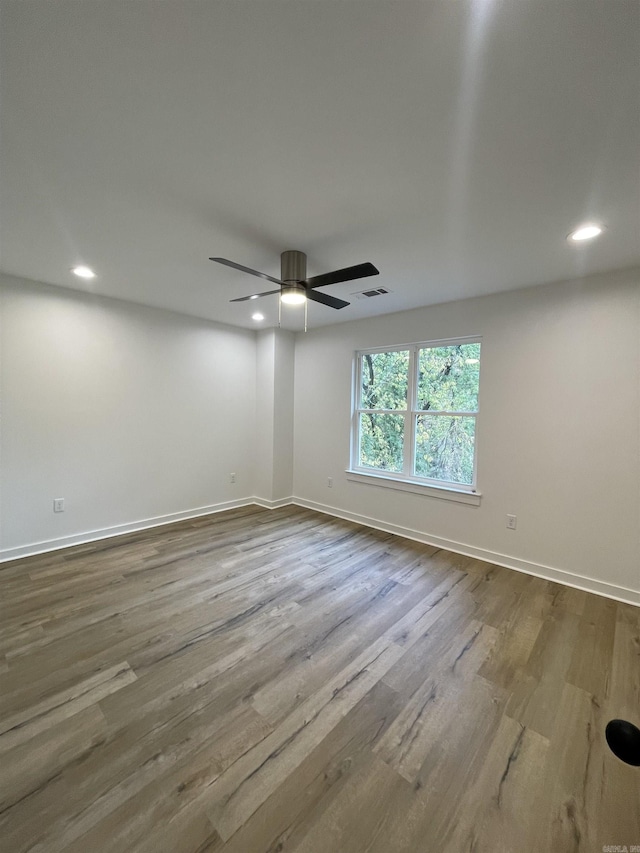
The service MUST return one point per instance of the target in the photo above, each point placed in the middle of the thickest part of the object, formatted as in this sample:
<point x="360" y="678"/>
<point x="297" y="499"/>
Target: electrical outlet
<point x="58" y="504"/>
<point x="512" y="521"/>
<point x="232" y="478"/>
<point x="330" y="482"/>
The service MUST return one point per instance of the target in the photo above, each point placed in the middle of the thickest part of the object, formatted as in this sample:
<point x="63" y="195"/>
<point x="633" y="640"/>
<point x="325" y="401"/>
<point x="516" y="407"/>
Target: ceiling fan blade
<point x="255" y="295"/>
<point x="325" y="299"/>
<point x="245" y="269"/>
<point x="347" y="274"/>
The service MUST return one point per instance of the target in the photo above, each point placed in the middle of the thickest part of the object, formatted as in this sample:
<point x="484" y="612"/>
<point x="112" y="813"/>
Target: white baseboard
<point x="619" y="593"/>
<point x="118" y="530"/>
<point x="272" y="504"/>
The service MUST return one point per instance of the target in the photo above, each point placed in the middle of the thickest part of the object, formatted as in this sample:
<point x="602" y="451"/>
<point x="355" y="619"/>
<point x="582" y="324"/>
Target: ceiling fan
<point x="293" y="285"/>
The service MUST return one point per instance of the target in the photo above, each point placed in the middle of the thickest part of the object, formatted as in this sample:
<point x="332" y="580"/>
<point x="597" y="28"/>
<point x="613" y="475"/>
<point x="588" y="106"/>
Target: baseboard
<point x="272" y="504"/>
<point x="619" y="593"/>
<point x="119" y="530"/>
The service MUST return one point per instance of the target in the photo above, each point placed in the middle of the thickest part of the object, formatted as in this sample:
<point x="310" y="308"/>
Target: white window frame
<point x="406" y="480"/>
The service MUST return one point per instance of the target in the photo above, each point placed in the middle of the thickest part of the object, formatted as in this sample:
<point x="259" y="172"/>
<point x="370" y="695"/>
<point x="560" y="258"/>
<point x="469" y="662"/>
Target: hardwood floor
<point x="264" y="681"/>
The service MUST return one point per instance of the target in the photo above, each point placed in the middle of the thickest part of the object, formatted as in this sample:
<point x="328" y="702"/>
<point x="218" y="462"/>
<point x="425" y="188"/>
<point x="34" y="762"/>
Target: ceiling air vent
<point x="367" y="294"/>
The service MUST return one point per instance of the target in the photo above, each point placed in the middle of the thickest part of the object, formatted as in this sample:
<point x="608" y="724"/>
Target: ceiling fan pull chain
<point x="306" y="305"/>
<point x="279" y="311"/>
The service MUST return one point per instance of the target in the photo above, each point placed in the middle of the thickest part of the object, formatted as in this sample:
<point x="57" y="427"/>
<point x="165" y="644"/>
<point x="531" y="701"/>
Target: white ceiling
<point x="452" y="144"/>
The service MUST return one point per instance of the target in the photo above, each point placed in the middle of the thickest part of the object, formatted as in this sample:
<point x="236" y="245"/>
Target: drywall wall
<point x="558" y="433"/>
<point x="263" y="432"/>
<point x="274" y="415"/>
<point x="284" y="367"/>
<point x="130" y="414"/>
<point x="135" y="416"/>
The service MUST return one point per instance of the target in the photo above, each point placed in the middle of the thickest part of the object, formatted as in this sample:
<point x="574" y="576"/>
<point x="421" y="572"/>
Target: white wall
<point x="264" y="423"/>
<point x="274" y="415"/>
<point x="133" y="415"/>
<point x="128" y="413"/>
<point x="284" y="367"/>
<point x="558" y="434"/>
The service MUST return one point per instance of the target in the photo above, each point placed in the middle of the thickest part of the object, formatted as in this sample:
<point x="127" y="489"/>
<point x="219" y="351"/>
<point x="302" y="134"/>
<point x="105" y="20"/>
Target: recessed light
<point x="257" y="316"/>
<point x="585" y="232"/>
<point x="83" y="272"/>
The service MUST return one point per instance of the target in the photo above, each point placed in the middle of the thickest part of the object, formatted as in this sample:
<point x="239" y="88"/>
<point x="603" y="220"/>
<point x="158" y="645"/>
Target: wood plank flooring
<point x="284" y="682"/>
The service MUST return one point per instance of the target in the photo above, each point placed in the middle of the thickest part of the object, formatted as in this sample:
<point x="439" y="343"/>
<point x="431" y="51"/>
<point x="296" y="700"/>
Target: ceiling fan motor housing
<point x="293" y="270"/>
<point x="293" y="266"/>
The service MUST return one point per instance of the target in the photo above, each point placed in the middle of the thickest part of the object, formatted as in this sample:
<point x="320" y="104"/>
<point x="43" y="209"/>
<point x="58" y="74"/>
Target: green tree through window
<point x="416" y="412"/>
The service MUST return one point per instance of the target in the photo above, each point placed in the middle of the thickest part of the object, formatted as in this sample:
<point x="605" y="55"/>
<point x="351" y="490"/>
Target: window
<point x="415" y="413"/>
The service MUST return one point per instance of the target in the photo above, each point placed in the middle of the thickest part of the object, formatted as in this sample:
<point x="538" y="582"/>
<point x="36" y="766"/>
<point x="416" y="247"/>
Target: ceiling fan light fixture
<point x="293" y="295"/>
<point x="294" y="288"/>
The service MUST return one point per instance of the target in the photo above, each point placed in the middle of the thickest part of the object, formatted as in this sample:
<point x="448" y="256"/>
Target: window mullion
<point x="446" y="414"/>
<point x="355" y="413"/>
<point x="409" y="424"/>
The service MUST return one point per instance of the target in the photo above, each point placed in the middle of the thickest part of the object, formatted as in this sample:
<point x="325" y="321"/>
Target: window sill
<point x="447" y="493"/>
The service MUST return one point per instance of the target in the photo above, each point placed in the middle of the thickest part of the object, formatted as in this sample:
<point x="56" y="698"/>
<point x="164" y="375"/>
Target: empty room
<point x="320" y="426"/>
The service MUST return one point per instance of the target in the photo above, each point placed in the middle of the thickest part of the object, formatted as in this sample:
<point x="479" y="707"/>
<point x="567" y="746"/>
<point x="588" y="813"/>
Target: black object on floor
<point x="624" y="741"/>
